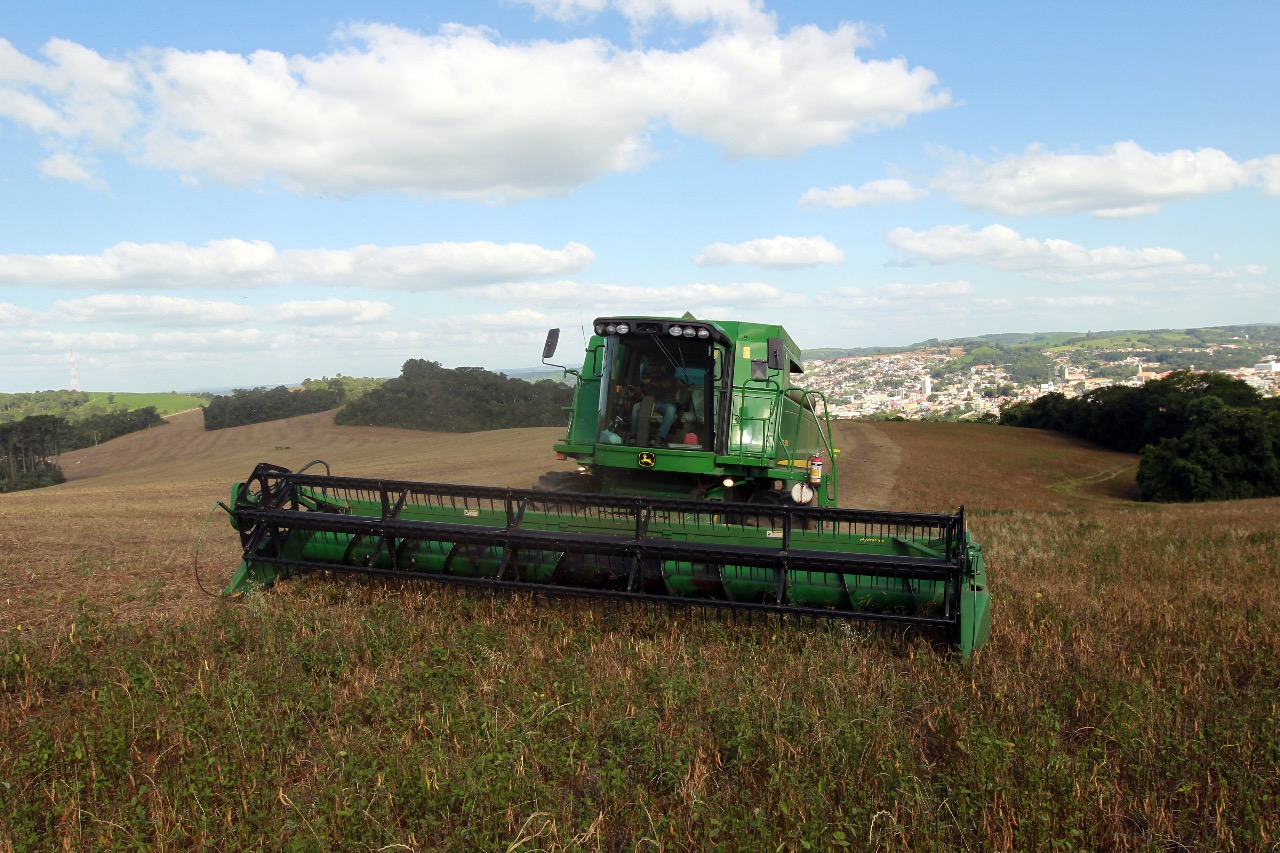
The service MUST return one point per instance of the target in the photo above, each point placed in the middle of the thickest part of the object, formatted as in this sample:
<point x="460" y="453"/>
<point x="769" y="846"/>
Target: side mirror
<point x="777" y="349"/>
<point x="549" y="348"/>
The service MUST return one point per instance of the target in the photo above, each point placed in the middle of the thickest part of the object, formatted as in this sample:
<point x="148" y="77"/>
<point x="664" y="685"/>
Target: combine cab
<point x="703" y="477"/>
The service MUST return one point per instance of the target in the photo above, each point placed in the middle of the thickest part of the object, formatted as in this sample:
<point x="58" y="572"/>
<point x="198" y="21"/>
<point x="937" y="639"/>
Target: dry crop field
<point x="1129" y="697"/>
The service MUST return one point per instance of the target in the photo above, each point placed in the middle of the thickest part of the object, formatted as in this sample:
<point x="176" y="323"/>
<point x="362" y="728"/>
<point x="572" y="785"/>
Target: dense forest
<point x="29" y="447"/>
<point x="466" y="399"/>
<point x="257" y="405"/>
<point x="1202" y="436"/>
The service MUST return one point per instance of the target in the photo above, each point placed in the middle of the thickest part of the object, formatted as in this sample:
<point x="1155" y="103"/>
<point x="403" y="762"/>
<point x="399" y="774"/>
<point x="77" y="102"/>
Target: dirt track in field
<point x="868" y="465"/>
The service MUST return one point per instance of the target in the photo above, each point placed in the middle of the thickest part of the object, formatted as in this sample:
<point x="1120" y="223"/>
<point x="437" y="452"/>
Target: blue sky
<point x="247" y="194"/>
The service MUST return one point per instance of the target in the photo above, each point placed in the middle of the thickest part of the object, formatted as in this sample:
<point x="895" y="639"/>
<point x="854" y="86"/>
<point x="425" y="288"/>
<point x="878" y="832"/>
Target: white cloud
<point x="1266" y="171"/>
<point x="238" y="263"/>
<point x="68" y="167"/>
<point x="150" y="310"/>
<point x="567" y="10"/>
<point x="644" y="13"/>
<point x="730" y="14"/>
<point x="897" y="297"/>
<point x="1072" y="302"/>
<point x="306" y="344"/>
<point x="12" y="316"/>
<point x="213" y="340"/>
<point x="560" y="292"/>
<point x="775" y="253"/>
<point x="330" y="311"/>
<point x="188" y="358"/>
<point x="450" y="339"/>
<point x="854" y="299"/>
<point x="1254" y="287"/>
<point x="888" y="191"/>
<point x="708" y="301"/>
<point x="141" y="348"/>
<point x="932" y="290"/>
<point x="74" y="94"/>
<point x="771" y="96"/>
<point x="456" y="113"/>
<point x="463" y="113"/>
<point x="433" y="266"/>
<point x="522" y="319"/>
<point x="1002" y="248"/>
<point x="132" y="264"/>
<point x="1122" y="180"/>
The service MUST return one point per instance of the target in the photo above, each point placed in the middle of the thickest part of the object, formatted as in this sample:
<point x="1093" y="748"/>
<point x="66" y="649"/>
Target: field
<point x="1129" y="697"/>
<point x="1167" y="339"/>
<point x="165" y="404"/>
<point x="67" y="404"/>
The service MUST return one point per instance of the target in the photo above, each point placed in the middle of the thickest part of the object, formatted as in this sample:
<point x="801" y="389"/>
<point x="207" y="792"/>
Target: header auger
<point x="700" y="481"/>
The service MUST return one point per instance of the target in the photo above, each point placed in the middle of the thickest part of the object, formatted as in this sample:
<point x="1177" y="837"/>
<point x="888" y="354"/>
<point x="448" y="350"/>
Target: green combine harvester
<point x="703" y="477"/>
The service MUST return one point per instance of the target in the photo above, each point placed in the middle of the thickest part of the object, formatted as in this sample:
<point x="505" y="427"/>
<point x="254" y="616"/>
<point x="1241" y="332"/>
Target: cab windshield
<point x="658" y="391"/>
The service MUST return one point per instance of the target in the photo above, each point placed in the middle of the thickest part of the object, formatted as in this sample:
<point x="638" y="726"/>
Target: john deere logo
<point x="646" y="459"/>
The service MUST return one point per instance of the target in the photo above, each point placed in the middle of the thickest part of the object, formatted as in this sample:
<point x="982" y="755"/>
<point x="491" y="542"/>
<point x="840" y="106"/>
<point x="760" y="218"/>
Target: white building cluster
<point x="903" y="384"/>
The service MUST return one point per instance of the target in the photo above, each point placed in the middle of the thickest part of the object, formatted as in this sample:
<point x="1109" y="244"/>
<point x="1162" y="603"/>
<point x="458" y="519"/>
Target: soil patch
<point x="868" y="465"/>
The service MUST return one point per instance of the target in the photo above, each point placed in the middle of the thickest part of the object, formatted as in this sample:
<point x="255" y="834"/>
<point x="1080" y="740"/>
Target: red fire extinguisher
<point x="815" y="469"/>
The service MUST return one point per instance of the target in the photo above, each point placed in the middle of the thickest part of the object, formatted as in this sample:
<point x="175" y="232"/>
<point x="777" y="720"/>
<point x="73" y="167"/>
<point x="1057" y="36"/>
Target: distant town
<point x="973" y="378"/>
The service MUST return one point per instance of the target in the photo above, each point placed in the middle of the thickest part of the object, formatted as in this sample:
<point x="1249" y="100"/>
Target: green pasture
<point x="166" y="403"/>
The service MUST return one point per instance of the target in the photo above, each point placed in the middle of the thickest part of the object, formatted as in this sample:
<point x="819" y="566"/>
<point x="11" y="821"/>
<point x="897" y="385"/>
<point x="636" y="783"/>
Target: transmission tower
<point x="75" y="383"/>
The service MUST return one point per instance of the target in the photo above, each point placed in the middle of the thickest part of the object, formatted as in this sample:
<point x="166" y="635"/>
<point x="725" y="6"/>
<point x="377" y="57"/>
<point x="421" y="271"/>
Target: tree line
<point x="15" y="407"/>
<point x="258" y="405"/>
<point x="464" y="399"/>
<point x="1202" y="436"/>
<point x="353" y="386"/>
<point x="30" y="447"/>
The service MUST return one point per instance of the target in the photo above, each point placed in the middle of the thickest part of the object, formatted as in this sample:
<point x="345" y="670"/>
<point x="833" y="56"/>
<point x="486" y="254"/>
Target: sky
<point x="240" y="194"/>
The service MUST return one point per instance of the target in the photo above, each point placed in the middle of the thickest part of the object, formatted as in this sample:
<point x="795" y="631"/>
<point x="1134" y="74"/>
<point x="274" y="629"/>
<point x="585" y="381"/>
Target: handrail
<point x="822" y="424"/>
